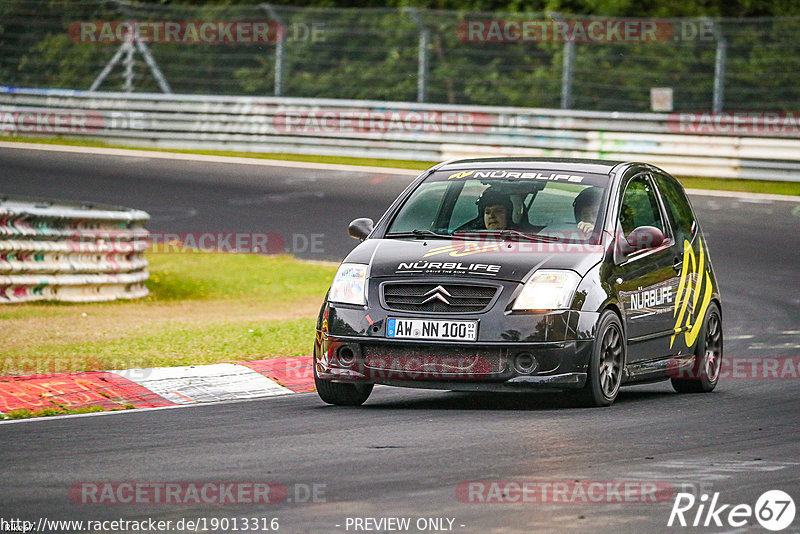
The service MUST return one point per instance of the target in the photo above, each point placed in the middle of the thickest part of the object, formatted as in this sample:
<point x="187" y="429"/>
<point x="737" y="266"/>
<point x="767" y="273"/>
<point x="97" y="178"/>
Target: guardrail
<point x="768" y="149"/>
<point x="70" y="252"/>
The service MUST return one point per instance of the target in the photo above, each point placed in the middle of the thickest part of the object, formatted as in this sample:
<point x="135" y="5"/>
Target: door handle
<point x="678" y="264"/>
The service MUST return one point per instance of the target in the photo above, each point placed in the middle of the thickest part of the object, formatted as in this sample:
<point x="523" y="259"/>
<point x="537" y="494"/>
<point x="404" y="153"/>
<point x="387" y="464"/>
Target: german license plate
<point x="432" y="329"/>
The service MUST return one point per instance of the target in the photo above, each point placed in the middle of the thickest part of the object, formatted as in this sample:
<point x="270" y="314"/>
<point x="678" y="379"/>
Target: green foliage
<point x="373" y="53"/>
<point x="619" y="8"/>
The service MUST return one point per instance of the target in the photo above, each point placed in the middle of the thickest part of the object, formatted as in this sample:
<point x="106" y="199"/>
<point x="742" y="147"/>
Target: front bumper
<point x="513" y="351"/>
<point x="453" y="366"/>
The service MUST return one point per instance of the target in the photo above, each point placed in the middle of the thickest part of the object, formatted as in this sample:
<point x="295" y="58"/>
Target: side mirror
<point x="642" y="238"/>
<point x="360" y="228"/>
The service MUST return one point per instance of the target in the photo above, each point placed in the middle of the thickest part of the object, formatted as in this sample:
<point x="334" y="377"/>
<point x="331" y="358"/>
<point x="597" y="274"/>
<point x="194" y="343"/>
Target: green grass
<point x="171" y="343"/>
<point x="749" y="186"/>
<point x="24" y="413"/>
<point x="270" y="280"/>
<point x="693" y="182"/>
<point x="203" y="308"/>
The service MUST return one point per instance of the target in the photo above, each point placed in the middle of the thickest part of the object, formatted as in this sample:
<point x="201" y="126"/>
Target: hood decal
<point x="466" y="248"/>
<point x="476" y="259"/>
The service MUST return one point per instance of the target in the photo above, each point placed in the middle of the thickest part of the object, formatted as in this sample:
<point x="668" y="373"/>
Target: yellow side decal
<point x="690" y="288"/>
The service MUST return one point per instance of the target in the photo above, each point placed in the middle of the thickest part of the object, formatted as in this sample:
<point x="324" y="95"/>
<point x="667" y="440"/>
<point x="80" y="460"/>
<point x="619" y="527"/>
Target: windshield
<point x="535" y="203"/>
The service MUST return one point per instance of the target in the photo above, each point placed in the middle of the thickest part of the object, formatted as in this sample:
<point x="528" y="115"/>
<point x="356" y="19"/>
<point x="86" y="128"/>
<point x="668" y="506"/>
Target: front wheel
<point x="707" y="356"/>
<point x="342" y="394"/>
<point x="607" y="363"/>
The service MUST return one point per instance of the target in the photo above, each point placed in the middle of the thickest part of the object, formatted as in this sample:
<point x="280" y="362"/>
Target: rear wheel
<point x="342" y="394"/>
<point x="606" y="365"/>
<point x="707" y="356"/>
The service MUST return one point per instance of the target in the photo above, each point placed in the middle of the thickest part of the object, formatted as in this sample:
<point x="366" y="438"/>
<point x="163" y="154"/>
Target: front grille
<point x="422" y="297"/>
<point x="432" y="361"/>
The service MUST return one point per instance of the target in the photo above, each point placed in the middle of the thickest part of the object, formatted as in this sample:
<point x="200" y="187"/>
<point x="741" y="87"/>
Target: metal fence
<point x="725" y="146"/>
<point x="70" y="252"/>
<point x="542" y="60"/>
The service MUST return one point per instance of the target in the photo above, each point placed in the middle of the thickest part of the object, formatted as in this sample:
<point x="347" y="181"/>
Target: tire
<point x="704" y="375"/>
<point x="341" y="394"/>
<point x="607" y="363"/>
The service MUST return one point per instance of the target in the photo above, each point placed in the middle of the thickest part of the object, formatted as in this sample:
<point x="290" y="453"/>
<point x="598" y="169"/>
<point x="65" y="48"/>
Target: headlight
<point x="349" y="284"/>
<point x="548" y="290"/>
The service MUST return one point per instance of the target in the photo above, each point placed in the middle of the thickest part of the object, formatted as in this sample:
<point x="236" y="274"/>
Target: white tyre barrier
<point x="71" y="252"/>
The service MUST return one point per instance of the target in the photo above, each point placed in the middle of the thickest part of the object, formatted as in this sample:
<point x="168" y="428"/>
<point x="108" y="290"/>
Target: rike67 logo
<point x="774" y="510"/>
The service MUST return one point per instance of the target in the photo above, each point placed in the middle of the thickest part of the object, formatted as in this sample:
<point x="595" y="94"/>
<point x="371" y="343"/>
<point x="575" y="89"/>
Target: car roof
<point x="595" y="166"/>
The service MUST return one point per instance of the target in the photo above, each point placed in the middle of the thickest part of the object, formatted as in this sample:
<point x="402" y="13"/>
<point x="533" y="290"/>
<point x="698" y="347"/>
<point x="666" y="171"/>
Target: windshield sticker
<point x="553" y="177"/>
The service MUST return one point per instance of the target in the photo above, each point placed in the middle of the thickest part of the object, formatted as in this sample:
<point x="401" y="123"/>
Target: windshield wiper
<point x="468" y="235"/>
<point x="530" y="237"/>
<point x="416" y="232"/>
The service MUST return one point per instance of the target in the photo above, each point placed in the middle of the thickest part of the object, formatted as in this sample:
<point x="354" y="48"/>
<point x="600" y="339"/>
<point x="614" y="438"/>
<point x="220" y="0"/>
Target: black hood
<point x="487" y="259"/>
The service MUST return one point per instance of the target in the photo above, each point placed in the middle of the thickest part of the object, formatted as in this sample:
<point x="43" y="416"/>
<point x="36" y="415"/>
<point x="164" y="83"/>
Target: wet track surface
<point x="405" y="452"/>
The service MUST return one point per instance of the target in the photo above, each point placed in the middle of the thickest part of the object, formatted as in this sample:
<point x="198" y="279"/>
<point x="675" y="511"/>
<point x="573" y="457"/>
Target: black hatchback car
<point x="524" y="274"/>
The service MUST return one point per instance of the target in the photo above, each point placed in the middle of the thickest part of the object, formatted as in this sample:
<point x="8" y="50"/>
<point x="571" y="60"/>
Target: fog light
<point x="346" y="356"/>
<point x="525" y="363"/>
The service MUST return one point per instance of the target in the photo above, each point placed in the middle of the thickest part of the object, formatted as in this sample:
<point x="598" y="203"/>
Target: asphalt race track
<point x="406" y="452"/>
<point x="308" y="209"/>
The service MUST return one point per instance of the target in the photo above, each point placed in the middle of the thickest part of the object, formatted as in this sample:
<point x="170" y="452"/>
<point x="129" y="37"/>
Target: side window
<point x="678" y="208"/>
<point x="639" y="206"/>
